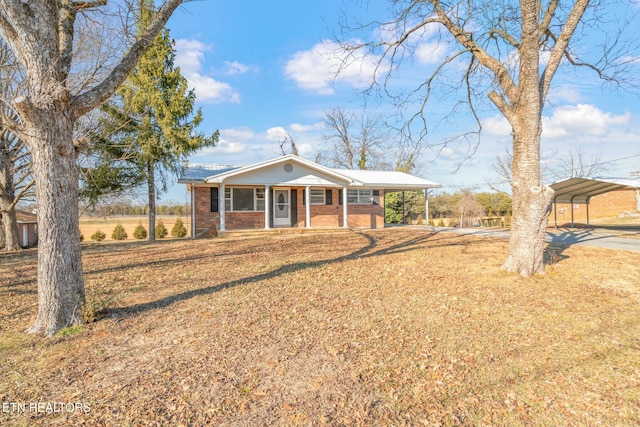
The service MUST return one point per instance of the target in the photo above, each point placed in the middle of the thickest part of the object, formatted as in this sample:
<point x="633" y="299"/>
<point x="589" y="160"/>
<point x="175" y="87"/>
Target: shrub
<point x="178" y="229"/>
<point x="119" y="233"/>
<point x="140" y="232"/>
<point x="441" y="223"/>
<point x="161" y="230"/>
<point x="81" y="237"/>
<point x="98" y="236"/>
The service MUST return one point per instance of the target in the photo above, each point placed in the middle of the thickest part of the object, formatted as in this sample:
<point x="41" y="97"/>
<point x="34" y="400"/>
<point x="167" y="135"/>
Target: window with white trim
<point x="359" y="197"/>
<point x="243" y="199"/>
<point x="317" y="196"/>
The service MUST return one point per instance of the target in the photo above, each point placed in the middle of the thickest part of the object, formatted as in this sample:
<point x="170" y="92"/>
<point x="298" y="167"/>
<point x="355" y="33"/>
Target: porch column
<point x="345" y="211"/>
<point x="221" y="207"/>
<point x="267" y="206"/>
<point x="426" y="206"/>
<point x="25" y="235"/>
<point x="307" y="211"/>
<point x="193" y="211"/>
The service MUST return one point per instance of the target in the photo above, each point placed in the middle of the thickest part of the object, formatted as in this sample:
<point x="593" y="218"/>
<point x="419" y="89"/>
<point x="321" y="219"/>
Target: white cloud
<point x="581" y="119"/>
<point x="230" y="147"/>
<point x="236" y="67"/>
<point x="496" y="125"/>
<point x="297" y="127"/>
<point x="189" y="57"/>
<point x="277" y="134"/>
<point x="431" y="52"/>
<point x="565" y="93"/>
<point x="449" y="153"/>
<point x="326" y="62"/>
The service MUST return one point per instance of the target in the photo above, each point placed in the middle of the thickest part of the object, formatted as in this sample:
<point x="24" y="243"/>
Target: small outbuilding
<point x="290" y="192"/>
<point x="27" y="228"/>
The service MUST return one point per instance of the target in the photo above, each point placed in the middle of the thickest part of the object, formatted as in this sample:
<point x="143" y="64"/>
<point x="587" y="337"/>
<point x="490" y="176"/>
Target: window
<point x="239" y="199"/>
<point x="317" y="196"/>
<point x="359" y="197"/>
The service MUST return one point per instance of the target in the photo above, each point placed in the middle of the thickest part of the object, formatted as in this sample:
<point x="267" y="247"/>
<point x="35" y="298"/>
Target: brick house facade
<point x="289" y="192"/>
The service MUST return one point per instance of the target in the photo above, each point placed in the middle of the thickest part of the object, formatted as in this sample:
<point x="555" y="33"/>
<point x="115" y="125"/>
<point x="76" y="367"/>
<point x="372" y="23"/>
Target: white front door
<point x="281" y="208"/>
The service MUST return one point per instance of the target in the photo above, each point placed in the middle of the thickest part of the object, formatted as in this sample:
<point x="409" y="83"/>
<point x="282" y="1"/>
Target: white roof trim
<point x="283" y="159"/>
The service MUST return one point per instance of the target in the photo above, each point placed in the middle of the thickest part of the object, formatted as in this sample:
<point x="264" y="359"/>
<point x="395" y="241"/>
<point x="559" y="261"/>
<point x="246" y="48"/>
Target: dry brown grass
<point x="392" y="327"/>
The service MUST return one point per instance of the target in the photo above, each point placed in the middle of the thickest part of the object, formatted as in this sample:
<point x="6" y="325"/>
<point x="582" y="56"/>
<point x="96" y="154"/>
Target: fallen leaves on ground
<point x="389" y="327"/>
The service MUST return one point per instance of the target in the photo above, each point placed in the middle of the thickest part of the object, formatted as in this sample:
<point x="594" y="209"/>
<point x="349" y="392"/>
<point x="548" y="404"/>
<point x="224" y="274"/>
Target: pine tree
<point x="140" y="232"/>
<point x="119" y="233"/>
<point x="98" y="236"/>
<point x="161" y="230"/>
<point x="178" y="229"/>
<point x="150" y="124"/>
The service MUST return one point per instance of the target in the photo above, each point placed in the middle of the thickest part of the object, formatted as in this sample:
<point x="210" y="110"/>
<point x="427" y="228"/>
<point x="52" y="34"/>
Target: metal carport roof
<point x="581" y="190"/>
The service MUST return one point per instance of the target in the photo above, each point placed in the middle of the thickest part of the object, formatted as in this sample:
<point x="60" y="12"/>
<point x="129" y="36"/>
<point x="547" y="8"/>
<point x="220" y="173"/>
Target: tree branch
<point x="561" y="44"/>
<point x="88" y="100"/>
<point x="465" y="39"/>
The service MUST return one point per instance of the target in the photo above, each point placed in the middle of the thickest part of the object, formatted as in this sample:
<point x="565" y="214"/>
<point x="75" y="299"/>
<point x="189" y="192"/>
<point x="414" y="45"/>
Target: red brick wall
<point x="608" y="205"/>
<point x="244" y="220"/>
<point x="360" y="216"/>
<point x="204" y="218"/>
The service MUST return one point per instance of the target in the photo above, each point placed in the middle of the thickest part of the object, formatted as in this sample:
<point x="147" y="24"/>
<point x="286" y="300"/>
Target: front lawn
<point x="390" y="327"/>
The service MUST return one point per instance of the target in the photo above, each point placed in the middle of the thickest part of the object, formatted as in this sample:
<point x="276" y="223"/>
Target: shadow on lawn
<point x="371" y="249"/>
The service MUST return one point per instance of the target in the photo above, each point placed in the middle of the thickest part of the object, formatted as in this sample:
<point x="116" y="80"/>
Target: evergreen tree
<point x="149" y="126"/>
<point x="119" y="233"/>
<point x="98" y="236"/>
<point x="178" y="230"/>
<point x="161" y="230"/>
<point x="140" y="232"/>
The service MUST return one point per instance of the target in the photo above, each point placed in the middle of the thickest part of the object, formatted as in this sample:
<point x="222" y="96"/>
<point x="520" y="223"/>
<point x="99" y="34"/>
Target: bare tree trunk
<point x="9" y="236"/>
<point x="152" y="200"/>
<point x="531" y="200"/>
<point x="60" y="281"/>
<point x="531" y="209"/>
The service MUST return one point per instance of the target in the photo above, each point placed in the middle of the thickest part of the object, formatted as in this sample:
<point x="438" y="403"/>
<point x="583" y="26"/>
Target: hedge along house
<point x="290" y="191"/>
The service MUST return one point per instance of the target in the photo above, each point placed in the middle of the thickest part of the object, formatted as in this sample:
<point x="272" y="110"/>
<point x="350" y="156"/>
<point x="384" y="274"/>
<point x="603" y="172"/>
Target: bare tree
<point x="577" y="164"/>
<point x="357" y="142"/>
<point x="41" y="36"/>
<point x="16" y="178"/>
<point x="509" y="52"/>
<point x="287" y="140"/>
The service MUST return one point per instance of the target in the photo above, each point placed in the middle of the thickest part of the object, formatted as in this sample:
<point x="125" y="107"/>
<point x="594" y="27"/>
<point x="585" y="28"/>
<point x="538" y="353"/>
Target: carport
<point x="581" y="190"/>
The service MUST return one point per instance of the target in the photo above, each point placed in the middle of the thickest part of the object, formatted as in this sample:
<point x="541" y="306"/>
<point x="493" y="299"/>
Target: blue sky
<point x="259" y="69"/>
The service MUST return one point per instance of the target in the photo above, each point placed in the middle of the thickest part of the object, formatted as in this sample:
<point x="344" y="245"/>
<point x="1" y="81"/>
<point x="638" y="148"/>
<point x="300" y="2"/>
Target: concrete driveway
<point x="627" y="238"/>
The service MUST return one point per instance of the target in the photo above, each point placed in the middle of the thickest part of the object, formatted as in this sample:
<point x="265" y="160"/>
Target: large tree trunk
<point x="60" y="282"/>
<point x="152" y="200"/>
<point x="531" y="200"/>
<point x="9" y="236"/>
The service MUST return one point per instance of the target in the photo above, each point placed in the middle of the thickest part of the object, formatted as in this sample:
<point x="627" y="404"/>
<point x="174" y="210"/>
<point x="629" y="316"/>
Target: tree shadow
<point x="371" y="249"/>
